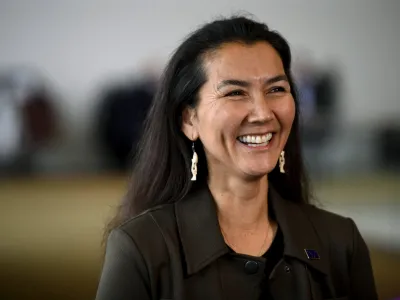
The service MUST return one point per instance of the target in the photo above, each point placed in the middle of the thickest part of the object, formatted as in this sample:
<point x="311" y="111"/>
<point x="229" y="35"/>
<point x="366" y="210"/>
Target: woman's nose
<point x="260" y="110"/>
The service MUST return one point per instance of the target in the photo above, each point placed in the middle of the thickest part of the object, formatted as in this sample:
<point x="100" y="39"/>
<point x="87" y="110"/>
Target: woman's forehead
<point x="241" y="61"/>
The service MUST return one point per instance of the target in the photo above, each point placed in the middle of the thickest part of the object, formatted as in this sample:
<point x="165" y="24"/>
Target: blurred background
<point x="77" y="78"/>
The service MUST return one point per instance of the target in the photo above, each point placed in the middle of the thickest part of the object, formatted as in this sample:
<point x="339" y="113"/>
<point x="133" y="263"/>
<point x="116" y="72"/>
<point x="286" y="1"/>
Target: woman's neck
<point x="241" y="204"/>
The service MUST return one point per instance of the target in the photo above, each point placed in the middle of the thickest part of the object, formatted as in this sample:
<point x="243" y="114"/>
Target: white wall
<point x="78" y="44"/>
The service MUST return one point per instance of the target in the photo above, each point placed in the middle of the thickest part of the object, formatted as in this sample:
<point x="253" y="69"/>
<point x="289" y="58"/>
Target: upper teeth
<point x="256" y="139"/>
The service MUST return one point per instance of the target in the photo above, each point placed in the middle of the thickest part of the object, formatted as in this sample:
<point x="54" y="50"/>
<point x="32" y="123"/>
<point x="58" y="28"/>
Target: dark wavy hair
<point x="161" y="168"/>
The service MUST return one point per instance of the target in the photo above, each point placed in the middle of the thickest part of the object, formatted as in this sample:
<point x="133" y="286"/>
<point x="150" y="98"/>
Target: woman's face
<point x="245" y="110"/>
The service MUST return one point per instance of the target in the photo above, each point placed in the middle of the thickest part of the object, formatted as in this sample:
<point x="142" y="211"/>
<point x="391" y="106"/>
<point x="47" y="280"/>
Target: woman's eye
<point x="277" y="89"/>
<point x="235" y="93"/>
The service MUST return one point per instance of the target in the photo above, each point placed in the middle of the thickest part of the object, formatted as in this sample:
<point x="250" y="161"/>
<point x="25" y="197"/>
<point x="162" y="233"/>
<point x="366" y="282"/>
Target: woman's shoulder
<point x="320" y="213"/>
<point x="347" y="250"/>
<point x="330" y="226"/>
<point x="146" y="235"/>
<point x="149" y="222"/>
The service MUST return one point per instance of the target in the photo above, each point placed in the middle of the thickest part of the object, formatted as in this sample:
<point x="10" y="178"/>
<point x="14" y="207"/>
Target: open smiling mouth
<point x="256" y="140"/>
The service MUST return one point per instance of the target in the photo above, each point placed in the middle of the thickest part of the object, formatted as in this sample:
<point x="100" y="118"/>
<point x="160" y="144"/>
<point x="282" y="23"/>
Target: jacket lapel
<point x="300" y="236"/>
<point x="304" y="253"/>
<point x="199" y="230"/>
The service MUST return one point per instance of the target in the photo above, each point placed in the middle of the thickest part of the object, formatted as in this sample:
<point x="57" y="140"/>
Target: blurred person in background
<point x="27" y="119"/>
<point x="10" y="126"/>
<point x="318" y="90"/>
<point x="121" y="116"/>
<point x="219" y="205"/>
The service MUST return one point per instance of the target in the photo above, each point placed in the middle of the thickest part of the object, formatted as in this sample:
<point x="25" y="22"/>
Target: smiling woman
<point x="219" y="206"/>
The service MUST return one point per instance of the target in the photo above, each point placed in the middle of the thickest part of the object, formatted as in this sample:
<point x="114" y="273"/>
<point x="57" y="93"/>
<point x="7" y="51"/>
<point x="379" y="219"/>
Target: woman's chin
<point x="256" y="166"/>
<point x="257" y="172"/>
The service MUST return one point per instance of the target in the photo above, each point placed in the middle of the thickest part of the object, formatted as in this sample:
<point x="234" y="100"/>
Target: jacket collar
<point x="199" y="230"/>
<point x="299" y="233"/>
<point x="203" y="242"/>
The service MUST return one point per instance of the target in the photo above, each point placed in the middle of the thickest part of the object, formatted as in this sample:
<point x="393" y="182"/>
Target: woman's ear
<point x="189" y="124"/>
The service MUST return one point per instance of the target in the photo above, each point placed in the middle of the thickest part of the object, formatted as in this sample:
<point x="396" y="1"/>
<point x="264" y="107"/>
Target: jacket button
<point x="287" y="269"/>
<point x="251" y="267"/>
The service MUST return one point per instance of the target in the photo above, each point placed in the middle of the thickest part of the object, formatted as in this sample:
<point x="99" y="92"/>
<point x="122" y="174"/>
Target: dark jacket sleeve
<point x="361" y="274"/>
<point x="124" y="275"/>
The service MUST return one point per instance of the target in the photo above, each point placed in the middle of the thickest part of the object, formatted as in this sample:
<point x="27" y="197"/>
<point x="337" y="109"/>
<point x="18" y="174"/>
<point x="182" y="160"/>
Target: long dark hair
<point x="161" y="168"/>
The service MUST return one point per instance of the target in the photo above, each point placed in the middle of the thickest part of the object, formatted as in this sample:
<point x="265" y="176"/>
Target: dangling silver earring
<point x="195" y="160"/>
<point x="282" y="162"/>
